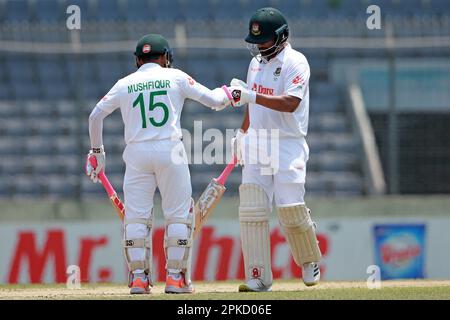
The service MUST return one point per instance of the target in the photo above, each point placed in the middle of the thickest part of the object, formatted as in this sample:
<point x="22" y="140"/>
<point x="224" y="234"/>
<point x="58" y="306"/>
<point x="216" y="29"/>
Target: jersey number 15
<point x="153" y="105"/>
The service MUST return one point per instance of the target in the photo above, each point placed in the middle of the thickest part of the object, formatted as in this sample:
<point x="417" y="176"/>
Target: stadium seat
<point x="19" y="69"/>
<point x="14" y="127"/>
<point x="18" y="11"/>
<point x="64" y="186"/>
<point x="195" y="11"/>
<point x="11" y="165"/>
<point x="166" y="11"/>
<point x="337" y="161"/>
<point x="50" y="11"/>
<point x="66" y="145"/>
<point x="109" y="10"/>
<point x="28" y="185"/>
<point x="37" y="109"/>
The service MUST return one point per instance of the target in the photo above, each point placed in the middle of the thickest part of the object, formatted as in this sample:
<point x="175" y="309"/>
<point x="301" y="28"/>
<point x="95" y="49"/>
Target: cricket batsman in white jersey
<point x="277" y="93"/>
<point x="151" y="100"/>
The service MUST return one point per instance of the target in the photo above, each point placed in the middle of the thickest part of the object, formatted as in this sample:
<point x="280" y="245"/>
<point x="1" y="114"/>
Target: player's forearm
<point x="213" y="98"/>
<point x="278" y="103"/>
<point x="245" y="122"/>
<point x="96" y="127"/>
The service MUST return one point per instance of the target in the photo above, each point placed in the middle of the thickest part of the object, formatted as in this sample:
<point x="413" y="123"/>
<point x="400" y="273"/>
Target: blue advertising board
<point x="400" y="250"/>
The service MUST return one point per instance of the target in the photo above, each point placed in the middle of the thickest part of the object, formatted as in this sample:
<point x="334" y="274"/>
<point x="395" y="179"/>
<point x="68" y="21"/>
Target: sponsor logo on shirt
<point x="298" y="80"/>
<point x="191" y="81"/>
<point x="263" y="90"/>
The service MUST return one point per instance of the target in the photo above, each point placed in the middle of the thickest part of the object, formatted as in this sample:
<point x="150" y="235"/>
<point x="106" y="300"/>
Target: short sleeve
<point x="297" y="80"/>
<point x="190" y="88"/>
<point x="111" y="101"/>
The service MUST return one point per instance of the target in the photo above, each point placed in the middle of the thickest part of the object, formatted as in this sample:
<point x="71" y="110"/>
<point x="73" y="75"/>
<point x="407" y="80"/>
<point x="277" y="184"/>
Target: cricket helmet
<point x="267" y="24"/>
<point x="152" y="46"/>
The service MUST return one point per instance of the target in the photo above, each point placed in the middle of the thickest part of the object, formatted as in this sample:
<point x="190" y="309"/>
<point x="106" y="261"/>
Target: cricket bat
<point x="202" y="209"/>
<point x="112" y="194"/>
<point x="211" y="197"/>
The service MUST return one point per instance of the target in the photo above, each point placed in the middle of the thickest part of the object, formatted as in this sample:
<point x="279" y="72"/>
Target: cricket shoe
<point x="176" y="283"/>
<point x="140" y="285"/>
<point x="311" y="274"/>
<point x="255" y="285"/>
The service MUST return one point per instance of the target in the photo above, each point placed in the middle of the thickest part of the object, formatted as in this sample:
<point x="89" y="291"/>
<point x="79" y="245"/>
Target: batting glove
<point x="240" y="93"/>
<point x="91" y="172"/>
<point x="236" y="146"/>
<point x="238" y="83"/>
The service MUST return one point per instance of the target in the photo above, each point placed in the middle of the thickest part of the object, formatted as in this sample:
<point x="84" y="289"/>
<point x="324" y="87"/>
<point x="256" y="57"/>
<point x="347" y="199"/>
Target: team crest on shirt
<point x="255" y="29"/>
<point x="276" y="73"/>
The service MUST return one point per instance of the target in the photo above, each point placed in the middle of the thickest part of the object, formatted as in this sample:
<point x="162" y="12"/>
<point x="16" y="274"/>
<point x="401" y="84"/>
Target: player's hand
<point x="240" y="93"/>
<point x="99" y="154"/>
<point x="226" y="101"/>
<point x="236" y="146"/>
<point x="238" y="83"/>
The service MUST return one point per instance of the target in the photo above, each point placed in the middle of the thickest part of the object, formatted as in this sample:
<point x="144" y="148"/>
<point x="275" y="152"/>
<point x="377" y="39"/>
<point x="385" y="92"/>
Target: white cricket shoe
<point x="255" y="285"/>
<point x="311" y="274"/>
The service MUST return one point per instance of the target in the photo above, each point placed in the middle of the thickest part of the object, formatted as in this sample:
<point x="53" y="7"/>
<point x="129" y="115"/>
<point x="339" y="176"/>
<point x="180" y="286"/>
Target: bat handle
<point x="101" y="175"/>
<point x="226" y="172"/>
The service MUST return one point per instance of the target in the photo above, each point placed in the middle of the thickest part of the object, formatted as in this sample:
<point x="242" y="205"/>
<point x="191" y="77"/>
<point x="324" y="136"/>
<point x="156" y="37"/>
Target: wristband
<point x="227" y="92"/>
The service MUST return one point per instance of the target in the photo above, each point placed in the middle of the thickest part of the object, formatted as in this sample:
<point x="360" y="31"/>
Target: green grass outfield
<point x="282" y="290"/>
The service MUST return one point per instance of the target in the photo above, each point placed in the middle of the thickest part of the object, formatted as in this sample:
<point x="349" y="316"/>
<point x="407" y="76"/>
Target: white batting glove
<point x="226" y="100"/>
<point x="99" y="154"/>
<point x="236" y="146"/>
<point x="242" y="96"/>
<point x="238" y="83"/>
<point x="240" y="93"/>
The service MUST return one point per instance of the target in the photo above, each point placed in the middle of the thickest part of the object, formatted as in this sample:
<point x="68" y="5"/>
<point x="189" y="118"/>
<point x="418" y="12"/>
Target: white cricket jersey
<point x="286" y="74"/>
<point x="151" y="100"/>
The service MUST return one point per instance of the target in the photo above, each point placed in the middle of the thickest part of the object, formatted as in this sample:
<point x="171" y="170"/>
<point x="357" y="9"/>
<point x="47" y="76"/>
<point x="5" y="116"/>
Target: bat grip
<point x="104" y="180"/>
<point x="226" y="172"/>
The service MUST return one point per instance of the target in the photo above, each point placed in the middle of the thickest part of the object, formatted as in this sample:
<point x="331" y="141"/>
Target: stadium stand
<point x="45" y="99"/>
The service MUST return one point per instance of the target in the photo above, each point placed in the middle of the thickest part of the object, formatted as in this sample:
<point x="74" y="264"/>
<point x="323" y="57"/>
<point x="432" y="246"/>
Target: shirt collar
<point x="149" y="65"/>
<point x="280" y="56"/>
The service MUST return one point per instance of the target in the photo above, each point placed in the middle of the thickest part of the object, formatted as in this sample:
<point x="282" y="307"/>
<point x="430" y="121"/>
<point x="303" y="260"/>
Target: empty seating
<point x="18" y="11"/>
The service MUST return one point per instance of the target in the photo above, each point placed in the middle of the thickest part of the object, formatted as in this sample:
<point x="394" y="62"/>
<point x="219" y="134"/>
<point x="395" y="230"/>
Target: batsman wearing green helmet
<point x="272" y="148"/>
<point x="151" y="101"/>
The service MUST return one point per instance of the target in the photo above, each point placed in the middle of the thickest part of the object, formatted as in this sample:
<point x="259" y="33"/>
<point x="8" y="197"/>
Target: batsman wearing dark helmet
<point x="151" y="101"/>
<point x="276" y="121"/>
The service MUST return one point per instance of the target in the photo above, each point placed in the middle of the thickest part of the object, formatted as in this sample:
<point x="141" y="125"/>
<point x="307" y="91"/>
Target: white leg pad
<point x="187" y="243"/>
<point x="300" y="233"/>
<point x="255" y="236"/>
<point x="139" y="243"/>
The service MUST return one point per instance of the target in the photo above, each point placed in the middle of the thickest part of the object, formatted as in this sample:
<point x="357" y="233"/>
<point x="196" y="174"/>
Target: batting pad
<point x="144" y="244"/>
<point x="300" y="233"/>
<point x="255" y="236"/>
<point x="187" y="243"/>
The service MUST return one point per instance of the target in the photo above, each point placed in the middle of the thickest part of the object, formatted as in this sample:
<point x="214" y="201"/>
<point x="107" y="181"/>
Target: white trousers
<point x="149" y="165"/>
<point x="284" y="179"/>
